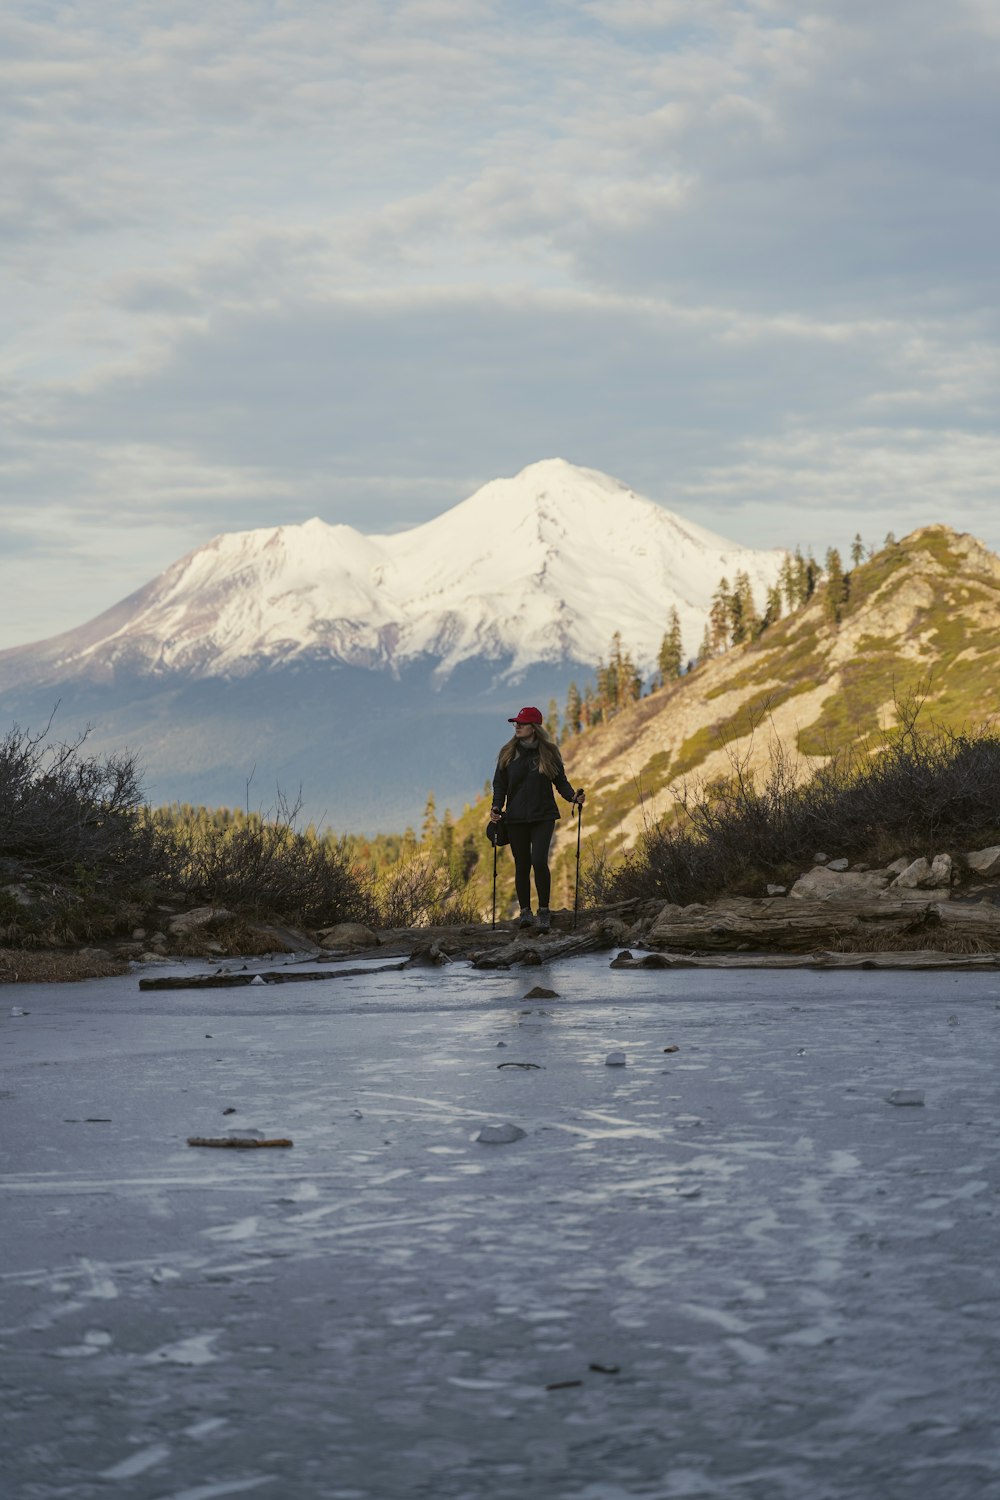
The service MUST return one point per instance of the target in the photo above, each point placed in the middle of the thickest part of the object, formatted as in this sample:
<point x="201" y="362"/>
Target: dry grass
<point x="927" y="940"/>
<point x="38" y="966"/>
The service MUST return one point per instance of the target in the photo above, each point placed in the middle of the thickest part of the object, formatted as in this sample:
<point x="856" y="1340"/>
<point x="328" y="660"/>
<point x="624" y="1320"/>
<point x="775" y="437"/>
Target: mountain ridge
<point x="921" y="624"/>
<point x="507" y="575"/>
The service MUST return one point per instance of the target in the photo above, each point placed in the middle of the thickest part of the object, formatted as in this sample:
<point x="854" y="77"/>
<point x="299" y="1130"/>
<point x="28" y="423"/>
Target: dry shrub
<point x="46" y="967"/>
<point x="264" y="867"/>
<point x="917" y="792"/>
<point x="419" y="893"/>
<point x="64" y="813"/>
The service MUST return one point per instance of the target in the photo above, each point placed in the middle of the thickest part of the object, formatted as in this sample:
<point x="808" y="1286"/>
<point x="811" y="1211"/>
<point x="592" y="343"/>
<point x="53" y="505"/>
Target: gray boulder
<point x="915" y="875"/>
<point x="837" y="864"/>
<point x="924" y="875"/>
<point x="985" y="862"/>
<point x="348" y="935"/>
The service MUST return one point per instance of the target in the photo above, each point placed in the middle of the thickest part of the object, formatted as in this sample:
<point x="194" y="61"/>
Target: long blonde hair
<point x="549" y="759"/>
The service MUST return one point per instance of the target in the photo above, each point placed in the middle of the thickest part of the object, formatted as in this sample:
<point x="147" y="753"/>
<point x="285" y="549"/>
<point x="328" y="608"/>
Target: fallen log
<point x="923" y="958"/>
<point x="777" y="924"/>
<point x="239" y="1143"/>
<point x="534" y="952"/>
<point x="273" y="976"/>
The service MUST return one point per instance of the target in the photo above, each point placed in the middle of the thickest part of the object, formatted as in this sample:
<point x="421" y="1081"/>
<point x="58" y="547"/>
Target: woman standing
<point x="528" y="767"/>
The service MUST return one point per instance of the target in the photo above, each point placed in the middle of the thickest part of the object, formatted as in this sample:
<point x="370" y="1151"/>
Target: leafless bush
<point x="64" y="814"/>
<point x="597" y="874"/>
<point x="419" y="893"/>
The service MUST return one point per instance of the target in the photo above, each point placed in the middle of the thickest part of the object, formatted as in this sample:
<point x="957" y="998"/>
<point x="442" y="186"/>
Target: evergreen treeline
<point x="734" y="620"/>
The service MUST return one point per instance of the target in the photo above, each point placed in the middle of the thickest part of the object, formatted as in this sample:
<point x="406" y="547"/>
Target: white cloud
<point x="356" y="258"/>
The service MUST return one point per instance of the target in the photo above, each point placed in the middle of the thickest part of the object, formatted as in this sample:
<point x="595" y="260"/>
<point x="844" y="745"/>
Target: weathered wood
<point x="273" y="976"/>
<point x="778" y="924"/>
<point x="238" y="1143"/>
<point x="535" y="950"/>
<point x="906" y="959"/>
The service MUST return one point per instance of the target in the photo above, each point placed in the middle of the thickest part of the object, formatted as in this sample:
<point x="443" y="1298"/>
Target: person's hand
<point x="580" y="798"/>
<point x="495" y="815"/>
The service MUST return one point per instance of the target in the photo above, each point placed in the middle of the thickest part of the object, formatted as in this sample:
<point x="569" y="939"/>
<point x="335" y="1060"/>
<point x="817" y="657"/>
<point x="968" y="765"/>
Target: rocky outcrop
<point x="925" y="875"/>
<point x="985" y="862"/>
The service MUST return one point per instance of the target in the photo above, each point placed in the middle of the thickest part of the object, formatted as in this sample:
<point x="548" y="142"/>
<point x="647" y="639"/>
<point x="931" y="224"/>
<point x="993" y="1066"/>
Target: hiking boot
<point x="544" y="923"/>
<point x="526" y="920"/>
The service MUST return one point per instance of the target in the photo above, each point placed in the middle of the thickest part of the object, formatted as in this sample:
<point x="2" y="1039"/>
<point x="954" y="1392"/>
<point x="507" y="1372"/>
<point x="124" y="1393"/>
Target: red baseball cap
<point x="528" y="716"/>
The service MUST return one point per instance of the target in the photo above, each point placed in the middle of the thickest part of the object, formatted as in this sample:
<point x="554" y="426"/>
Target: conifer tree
<point x="719" y="616"/>
<point x="625" y="684"/>
<point x="589" y="711"/>
<point x="574" y="708"/>
<point x="671" y="649"/>
<point x="705" y="649"/>
<point x="446" y="837"/>
<point x="786" y="581"/>
<point x="743" y="620"/>
<point x="836" y="587"/>
<point x="552" y="719"/>
<point x="812" y="576"/>
<point x="772" y="609"/>
<point x="429" y="827"/>
<point x="857" y="550"/>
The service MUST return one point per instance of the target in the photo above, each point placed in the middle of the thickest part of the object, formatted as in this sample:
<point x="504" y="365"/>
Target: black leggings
<point x="529" y="844"/>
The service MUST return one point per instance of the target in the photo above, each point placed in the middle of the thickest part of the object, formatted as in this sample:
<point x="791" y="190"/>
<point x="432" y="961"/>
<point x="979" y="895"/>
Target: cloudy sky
<point x="353" y="258"/>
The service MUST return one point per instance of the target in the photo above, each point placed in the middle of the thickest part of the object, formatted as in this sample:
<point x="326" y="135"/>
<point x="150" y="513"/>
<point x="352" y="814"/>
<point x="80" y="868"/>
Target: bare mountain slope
<point x="923" y="614"/>
<point x="923" y="617"/>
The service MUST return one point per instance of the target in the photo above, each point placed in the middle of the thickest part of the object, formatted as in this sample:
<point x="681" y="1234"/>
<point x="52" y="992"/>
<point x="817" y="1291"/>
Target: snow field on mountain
<point x="542" y="567"/>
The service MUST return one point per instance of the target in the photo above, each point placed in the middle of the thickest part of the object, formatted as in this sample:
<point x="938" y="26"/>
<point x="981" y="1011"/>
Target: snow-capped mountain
<point x="371" y="670"/>
<point x="543" y="567"/>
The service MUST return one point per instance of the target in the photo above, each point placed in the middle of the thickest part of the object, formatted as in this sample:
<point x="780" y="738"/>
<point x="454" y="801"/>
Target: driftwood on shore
<point x="533" y="951"/>
<point x="235" y="1142"/>
<point x="924" y="958"/>
<point x="779" y="925"/>
<point x="290" y="975"/>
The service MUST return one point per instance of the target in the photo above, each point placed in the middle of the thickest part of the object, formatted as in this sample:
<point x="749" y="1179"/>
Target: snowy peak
<point x="541" y="567"/>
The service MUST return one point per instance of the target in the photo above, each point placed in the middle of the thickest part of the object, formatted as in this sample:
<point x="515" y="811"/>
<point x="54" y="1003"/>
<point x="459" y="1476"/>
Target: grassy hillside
<point x="922" y="616"/>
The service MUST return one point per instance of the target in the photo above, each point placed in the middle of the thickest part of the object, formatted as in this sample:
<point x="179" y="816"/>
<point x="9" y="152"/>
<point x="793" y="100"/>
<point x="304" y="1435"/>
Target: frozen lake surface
<point x="794" y="1280"/>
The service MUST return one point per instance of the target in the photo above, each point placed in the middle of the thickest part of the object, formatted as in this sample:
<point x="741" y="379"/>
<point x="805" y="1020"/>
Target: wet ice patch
<point x="93" y="1343"/>
<point x="195" y="1350"/>
<point x="102" y="1286"/>
<point x="224" y="1487"/>
<point x="243" y="1229"/>
<point x="206" y="1428"/>
<point x="138" y="1463"/>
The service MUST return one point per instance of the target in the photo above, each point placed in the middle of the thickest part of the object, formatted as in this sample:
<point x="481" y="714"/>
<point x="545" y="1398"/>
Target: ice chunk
<point x="905" y="1096"/>
<point x="500" y="1135"/>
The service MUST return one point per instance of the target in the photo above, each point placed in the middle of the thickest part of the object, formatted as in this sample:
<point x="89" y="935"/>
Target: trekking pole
<point x="579" y="827"/>
<point x="493" y="924"/>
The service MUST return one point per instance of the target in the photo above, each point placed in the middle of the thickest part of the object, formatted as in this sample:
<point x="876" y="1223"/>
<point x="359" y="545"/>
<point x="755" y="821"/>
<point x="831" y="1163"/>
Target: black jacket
<point x="527" y="792"/>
